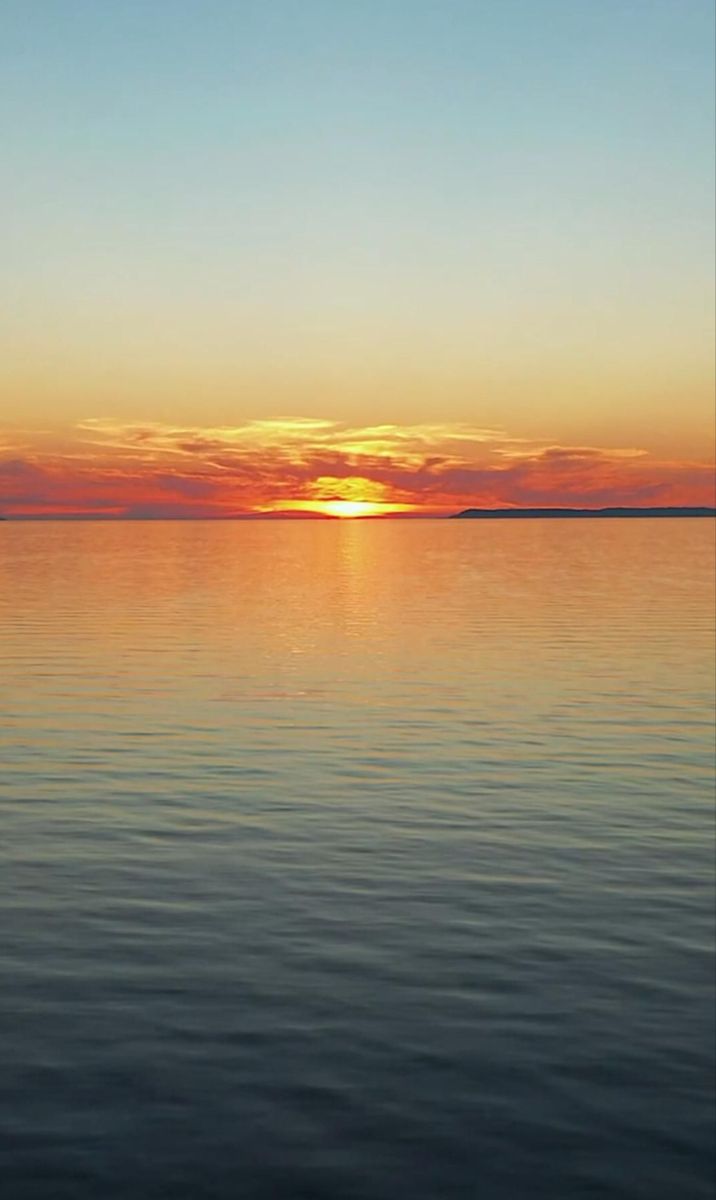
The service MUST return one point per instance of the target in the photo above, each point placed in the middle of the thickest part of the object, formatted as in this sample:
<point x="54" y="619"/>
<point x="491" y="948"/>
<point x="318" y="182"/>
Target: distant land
<point x="492" y="514"/>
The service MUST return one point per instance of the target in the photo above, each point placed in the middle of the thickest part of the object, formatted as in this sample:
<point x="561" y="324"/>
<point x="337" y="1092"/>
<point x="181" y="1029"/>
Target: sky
<point x="355" y="257"/>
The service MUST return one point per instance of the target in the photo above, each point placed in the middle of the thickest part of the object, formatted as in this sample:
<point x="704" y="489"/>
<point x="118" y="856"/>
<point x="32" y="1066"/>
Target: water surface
<point x="357" y="860"/>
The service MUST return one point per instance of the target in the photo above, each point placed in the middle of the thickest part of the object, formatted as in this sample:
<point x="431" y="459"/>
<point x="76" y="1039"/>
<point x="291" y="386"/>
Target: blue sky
<point x="499" y="211"/>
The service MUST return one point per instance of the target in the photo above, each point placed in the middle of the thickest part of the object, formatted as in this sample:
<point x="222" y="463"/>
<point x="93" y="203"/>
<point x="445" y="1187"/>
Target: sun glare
<point x="350" y="508"/>
<point x="343" y="509"/>
<point x="346" y="509"/>
<point x="348" y="497"/>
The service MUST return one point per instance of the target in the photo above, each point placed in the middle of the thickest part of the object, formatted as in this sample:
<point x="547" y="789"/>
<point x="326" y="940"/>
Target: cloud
<point x="159" y="469"/>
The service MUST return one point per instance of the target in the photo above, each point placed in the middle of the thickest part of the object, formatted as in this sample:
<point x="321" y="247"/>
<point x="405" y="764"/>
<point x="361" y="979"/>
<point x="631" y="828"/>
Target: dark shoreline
<point x="492" y="514"/>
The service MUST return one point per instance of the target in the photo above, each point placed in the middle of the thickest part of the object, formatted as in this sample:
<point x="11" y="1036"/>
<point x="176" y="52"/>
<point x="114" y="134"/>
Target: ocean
<point x="354" y="860"/>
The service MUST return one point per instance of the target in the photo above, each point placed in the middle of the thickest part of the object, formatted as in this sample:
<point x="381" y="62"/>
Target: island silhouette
<point x="491" y="514"/>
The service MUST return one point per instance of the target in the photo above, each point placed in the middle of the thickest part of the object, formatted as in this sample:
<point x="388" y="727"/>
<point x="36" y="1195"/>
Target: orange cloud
<point x="153" y="469"/>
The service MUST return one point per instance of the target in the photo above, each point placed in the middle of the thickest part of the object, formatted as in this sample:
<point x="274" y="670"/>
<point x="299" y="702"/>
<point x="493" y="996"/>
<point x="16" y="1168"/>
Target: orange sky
<point x="318" y="466"/>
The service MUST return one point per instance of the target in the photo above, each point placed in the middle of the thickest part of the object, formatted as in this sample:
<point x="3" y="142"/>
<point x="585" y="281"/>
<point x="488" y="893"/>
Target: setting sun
<point x="356" y="508"/>
<point x="352" y="496"/>
<point x="342" y="508"/>
<point x="350" y="508"/>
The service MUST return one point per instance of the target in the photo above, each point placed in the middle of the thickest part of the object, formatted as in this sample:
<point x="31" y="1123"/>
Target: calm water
<point x="356" y="861"/>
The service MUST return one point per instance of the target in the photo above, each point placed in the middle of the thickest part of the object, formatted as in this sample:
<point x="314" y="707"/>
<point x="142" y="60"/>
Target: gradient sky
<point x="291" y="253"/>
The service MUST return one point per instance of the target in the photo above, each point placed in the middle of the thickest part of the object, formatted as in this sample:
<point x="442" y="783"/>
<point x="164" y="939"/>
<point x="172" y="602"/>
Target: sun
<point x="349" y="508"/>
<point x="352" y="496"/>
<point x="348" y="497"/>
<point x="346" y="509"/>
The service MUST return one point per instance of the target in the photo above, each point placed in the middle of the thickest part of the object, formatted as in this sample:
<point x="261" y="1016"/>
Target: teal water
<point x="356" y="860"/>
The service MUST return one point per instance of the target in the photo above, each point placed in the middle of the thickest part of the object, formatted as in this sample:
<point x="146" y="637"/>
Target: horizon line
<point x="509" y="513"/>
